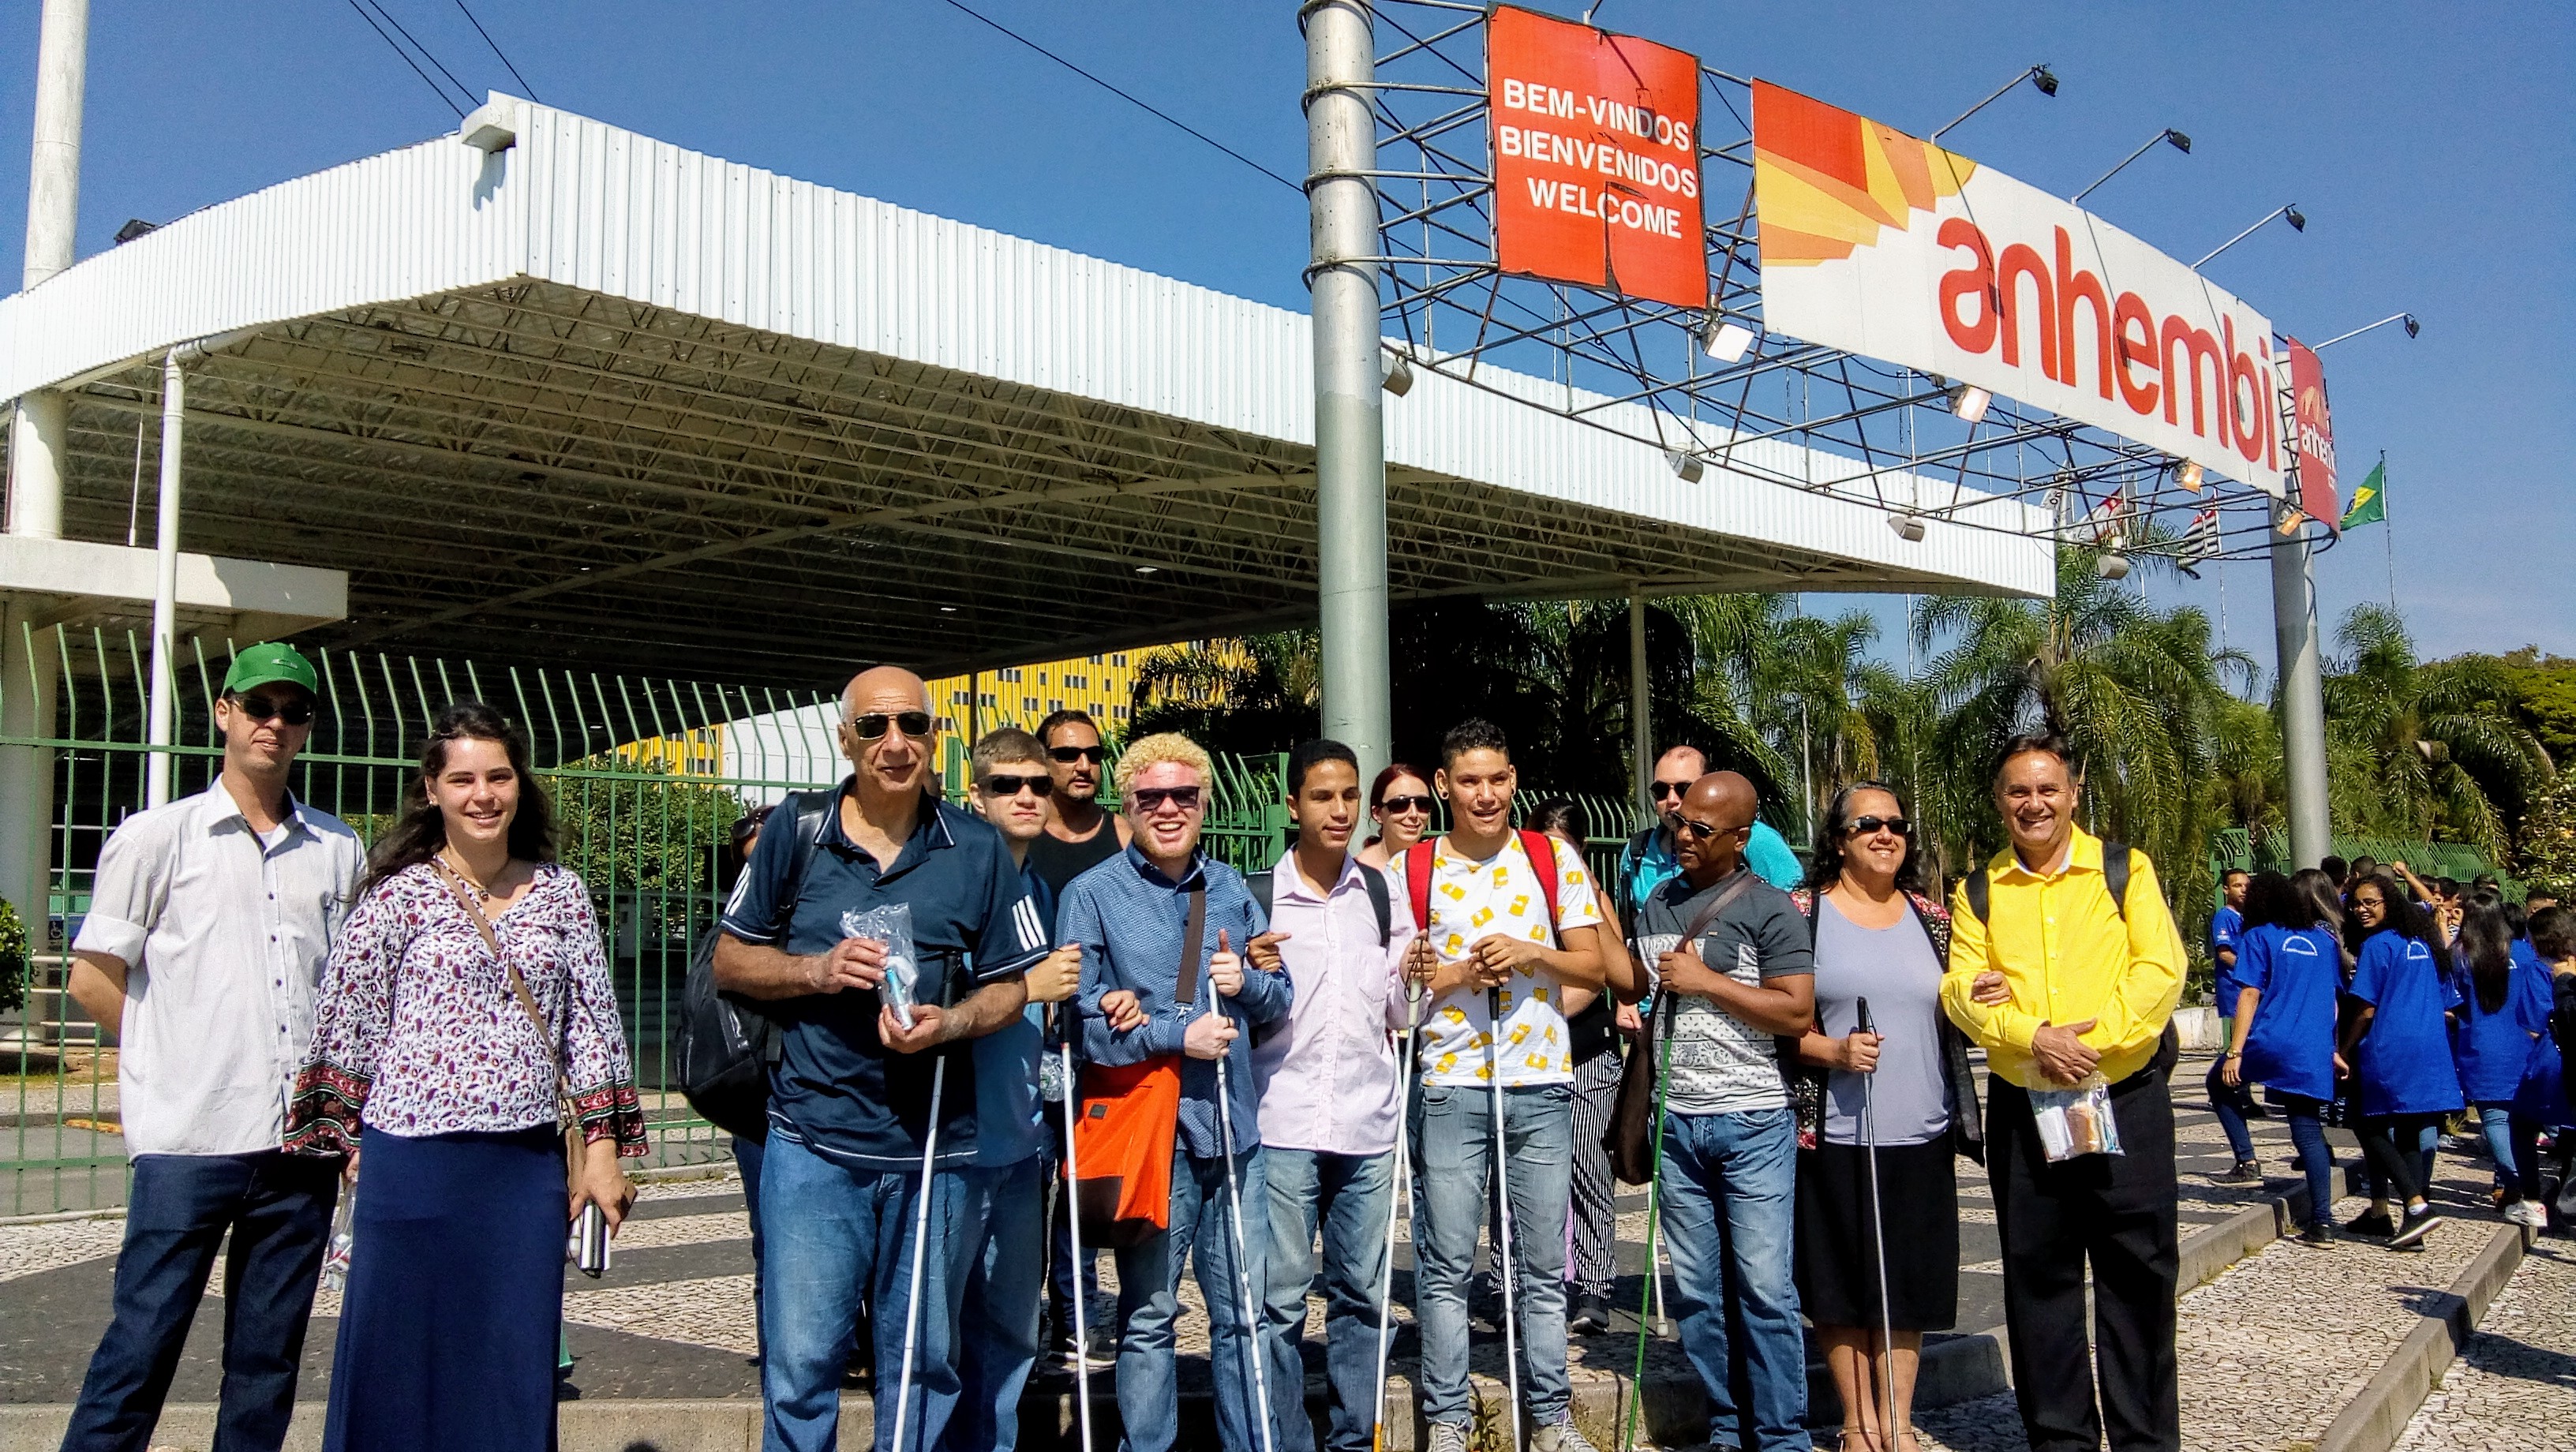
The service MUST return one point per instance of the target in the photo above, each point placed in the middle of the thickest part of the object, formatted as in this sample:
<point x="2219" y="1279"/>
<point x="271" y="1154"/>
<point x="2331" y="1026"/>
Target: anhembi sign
<point x="1883" y="245"/>
<point x="2318" y="497"/>
<point x="1596" y="158"/>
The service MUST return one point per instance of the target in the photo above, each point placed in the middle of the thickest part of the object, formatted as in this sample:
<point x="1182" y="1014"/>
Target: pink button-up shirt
<point x="1328" y="1076"/>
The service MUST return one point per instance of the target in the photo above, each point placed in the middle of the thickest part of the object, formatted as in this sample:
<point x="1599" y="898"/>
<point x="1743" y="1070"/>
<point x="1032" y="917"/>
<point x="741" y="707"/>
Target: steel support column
<point x="2303" y="705"/>
<point x="1641" y="701"/>
<point x="165" y="580"/>
<point x="1350" y="427"/>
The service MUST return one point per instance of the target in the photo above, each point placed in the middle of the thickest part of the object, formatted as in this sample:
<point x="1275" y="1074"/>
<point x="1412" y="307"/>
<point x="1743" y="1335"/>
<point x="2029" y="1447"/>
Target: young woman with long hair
<point x="467" y="997"/>
<point x="2398" y="1044"/>
<point x="1400" y="803"/>
<point x="2289" y="973"/>
<point x="1879" y="936"/>
<point x="2503" y="1011"/>
<point x="2257" y="926"/>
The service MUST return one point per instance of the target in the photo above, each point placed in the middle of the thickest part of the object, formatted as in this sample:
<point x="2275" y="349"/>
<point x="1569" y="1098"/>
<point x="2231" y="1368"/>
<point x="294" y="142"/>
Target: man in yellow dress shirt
<point x="2063" y="987"/>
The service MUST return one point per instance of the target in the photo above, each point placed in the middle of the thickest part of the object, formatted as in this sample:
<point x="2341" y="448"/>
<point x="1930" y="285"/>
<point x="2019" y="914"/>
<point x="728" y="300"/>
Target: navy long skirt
<point x="455" y="1298"/>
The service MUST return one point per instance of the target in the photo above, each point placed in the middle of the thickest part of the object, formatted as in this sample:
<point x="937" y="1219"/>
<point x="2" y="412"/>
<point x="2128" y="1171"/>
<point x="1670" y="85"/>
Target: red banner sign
<point x="2318" y="498"/>
<point x="1596" y="158"/>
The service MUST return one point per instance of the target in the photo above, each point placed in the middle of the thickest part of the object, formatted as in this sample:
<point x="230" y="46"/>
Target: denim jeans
<point x="999" y="1340"/>
<point x="1453" y="1141"/>
<point x="2228" y="1103"/>
<point x="2316" y="1157"/>
<point x="746" y="1159"/>
<point x="1728" y="1201"/>
<point x="1346" y="1196"/>
<point x="2513" y="1143"/>
<point x="278" y="1208"/>
<point x="839" y="1233"/>
<point x="1149" y="1305"/>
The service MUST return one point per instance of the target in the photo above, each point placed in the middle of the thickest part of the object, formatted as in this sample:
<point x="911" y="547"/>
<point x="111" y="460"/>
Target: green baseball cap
<point x="268" y="664"/>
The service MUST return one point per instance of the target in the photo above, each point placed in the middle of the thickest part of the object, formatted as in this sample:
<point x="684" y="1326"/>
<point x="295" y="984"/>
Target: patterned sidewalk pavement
<point x="2514" y="1387"/>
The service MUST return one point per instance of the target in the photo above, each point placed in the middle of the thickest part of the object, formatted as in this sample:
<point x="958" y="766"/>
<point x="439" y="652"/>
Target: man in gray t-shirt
<point x="1730" y="1144"/>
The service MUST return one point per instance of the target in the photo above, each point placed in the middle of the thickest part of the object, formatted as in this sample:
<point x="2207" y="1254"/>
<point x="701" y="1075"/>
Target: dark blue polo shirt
<point x="836" y="1088"/>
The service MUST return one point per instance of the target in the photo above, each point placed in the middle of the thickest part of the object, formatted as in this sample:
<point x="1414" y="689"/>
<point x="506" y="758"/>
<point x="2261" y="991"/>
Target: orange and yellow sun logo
<point x="1827" y="181"/>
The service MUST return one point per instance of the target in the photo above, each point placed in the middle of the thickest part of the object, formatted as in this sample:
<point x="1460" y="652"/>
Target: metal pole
<point x="1641" y="701"/>
<point x="1350" y="426"/>
<point x="165" y="580"/>
<point x="2303" y="704"/>
<point x="37" y="436"/>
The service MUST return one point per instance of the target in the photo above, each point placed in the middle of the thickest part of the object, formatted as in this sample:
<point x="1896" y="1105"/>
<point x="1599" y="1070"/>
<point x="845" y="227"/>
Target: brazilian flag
<point x="2370" y="501"/>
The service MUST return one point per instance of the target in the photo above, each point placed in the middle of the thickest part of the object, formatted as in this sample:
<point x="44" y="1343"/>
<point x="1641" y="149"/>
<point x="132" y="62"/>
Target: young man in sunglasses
<point x="1649" y="861"/>
<point x="1079" y="835"/>
<point x="852" y="1093"/>
<point x="207" y="930"/>
<point x="1131" y="917"/>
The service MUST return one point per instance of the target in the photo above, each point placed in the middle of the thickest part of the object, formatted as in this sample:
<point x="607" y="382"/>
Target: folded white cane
<point x="1073" y="1237"/>
<point x="1878" y="1241"/>
<point x="1395" y="1198"/>
<point x="1234" y="1200"/>
<point x="1503" y="1203"/>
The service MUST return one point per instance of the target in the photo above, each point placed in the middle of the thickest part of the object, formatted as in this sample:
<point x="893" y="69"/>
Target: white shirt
<point x="1328" y="1075"/>
<point x="224" y="938"/>
<point x="1471" y="901"/>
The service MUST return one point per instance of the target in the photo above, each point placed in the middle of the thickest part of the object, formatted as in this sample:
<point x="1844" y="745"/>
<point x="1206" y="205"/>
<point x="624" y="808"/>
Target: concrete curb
<point x="2377" y="1416"/>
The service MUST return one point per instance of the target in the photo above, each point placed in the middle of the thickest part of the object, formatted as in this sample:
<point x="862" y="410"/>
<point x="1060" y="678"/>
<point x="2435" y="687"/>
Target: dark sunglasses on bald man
<point x="264" y="708"/>
<point x="1152" y="799"/>
<point x="872" y="726"/>
<point x="999" y="785"/>
<point x="1869" y="826"/>
<point x="1663" y="789"/>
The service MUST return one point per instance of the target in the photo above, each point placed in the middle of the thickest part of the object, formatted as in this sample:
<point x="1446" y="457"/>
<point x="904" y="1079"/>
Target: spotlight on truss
<point x="2188" y="476"/>
<point x="2112" y="567"/>
<point x="1687" y="467"/>
<point x="1723" y="340"/>
<point x="1399" y="376"/>
<point x="1969" y="402"/>
<point x="1908" y="527"/>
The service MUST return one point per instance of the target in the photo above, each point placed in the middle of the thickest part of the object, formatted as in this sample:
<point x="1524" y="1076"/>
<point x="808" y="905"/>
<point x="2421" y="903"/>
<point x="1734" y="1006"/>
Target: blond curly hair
<point x="1158" y="748"/>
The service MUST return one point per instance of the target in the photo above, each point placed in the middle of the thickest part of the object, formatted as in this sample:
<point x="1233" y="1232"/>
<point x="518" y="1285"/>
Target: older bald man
<point x="850" y="1096"/>
<point x="1732" y="966"/>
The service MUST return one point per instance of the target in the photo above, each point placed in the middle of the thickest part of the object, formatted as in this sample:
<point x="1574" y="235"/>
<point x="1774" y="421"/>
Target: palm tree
<point x="2425" y="752"/>
<point x="1265" y="697"/>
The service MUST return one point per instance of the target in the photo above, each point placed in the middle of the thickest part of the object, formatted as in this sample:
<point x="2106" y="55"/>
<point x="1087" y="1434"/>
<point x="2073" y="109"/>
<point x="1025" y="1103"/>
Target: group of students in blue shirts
<point x="2361" y="1006"/>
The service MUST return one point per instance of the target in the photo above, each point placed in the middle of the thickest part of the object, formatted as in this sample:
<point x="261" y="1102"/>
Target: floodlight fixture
<point x="1399" y="376"/>
<point x="2297" y="219"/>
<point x="2113" y="566"/>
<point x="2168" y="136"/>
<point x="1908" y="527"/>
<point x="1685" y="466"/>
<point x="1969" y="402"/>
<point x="1149" y="569"/>
<point x="1724" y="339"/>
<point x="2039" y="75"/>
<point x="2188" y="476"/>
<point x="2412" y="328"/>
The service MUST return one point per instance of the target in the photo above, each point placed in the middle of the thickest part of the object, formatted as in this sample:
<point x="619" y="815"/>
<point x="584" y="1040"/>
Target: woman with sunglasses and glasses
<point x="1400" y="803"/>
<point x="1879" y="937"/>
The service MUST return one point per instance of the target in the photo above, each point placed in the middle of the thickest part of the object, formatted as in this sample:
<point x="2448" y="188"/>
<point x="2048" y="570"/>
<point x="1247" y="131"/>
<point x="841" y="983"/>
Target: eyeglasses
<point x="1701" y="831"/>
<point x="1011" y="786"/>
<point x="872" y="726"/>
<point x="1071" y="754"/>
<point x="1153" y="799"/>
<point x="1398" y="806"/>
<point x="1663" y="789"/>
<point x="1869" y="826"/>
<point x="261" y="708"/>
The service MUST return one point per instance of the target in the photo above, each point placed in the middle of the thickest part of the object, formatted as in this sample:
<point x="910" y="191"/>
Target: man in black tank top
<point x="1078" y="833"/>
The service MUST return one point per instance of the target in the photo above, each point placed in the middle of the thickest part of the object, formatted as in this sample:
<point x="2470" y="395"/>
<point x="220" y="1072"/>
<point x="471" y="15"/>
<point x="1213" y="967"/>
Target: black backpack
<point x="726" y="1043"/>
<point x="2115" y="880"/>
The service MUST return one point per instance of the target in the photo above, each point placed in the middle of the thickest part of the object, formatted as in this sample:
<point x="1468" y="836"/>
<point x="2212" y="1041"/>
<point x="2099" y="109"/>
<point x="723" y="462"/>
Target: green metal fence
<point x="2270" y="852"/>
<point x="647" y="778"/>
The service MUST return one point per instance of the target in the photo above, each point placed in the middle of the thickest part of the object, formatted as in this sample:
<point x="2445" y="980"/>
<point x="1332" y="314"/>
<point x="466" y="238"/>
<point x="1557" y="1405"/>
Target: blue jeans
<point x="999" y="1340"/>
<point x="2316" y="1158"/>
<point x="2227" y="1102"/>
<point x="840" y="1233"/>
<point x="2513" y="1142"/>
<point x="1149" y="1304"/>
<point x="1728" y="1202"/>
<point x="746" y="1158"/>
<point x="1348" y="1195"/>
<point x="1453" y="1142"/>
<point x="278" y="1208"/>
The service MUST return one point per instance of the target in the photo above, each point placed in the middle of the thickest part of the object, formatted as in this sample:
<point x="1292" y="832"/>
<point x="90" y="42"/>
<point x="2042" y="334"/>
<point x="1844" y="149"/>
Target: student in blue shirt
<point x="2398" y="1044"/>
<point x="2500" y="1017"/>
<point x="2290" y="974"/>
<point x="2230" y="1101"/>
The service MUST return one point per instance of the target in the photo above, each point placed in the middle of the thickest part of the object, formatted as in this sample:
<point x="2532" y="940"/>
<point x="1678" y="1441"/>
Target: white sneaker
<point x="2524" y="1212"/>
<point x="1560" y="1437"/>
<point x="1448" y="1437"/>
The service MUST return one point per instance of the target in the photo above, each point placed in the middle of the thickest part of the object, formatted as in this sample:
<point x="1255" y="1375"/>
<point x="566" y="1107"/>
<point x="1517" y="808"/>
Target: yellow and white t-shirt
<point x="1470" y="901"/>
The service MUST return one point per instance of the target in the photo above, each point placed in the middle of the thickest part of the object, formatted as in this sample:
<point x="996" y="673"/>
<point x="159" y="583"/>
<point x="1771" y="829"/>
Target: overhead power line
<point x="1130" y="98"/>
<point x="426" y="53"/>
<point x="529" y="90"/>
<point x="444" y="99"/>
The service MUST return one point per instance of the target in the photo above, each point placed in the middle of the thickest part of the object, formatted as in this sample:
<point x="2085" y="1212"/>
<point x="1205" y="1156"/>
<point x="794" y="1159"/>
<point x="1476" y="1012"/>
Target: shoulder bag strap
<point x="1186" y="983"/>
<point x="492" y="940"/>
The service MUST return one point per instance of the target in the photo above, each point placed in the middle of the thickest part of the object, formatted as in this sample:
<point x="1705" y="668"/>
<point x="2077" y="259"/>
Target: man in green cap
<point x="207" y="930"/>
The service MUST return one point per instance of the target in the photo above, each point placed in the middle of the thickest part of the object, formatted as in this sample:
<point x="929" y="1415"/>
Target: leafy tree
<point x="2426" y="752"/>
<point x="2549" y="836"/>
<point x="639" y="827"/>
<point x="1265" y="699"/>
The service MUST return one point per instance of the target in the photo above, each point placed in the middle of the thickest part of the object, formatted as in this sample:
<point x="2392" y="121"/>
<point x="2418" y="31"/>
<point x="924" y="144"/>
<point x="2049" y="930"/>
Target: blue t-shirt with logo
<point x="1010" y="1123"/>
<point x="2493" y="1049"/>
<point x="2406" y="1065"/>
<point x="2290" y="1049"/>
<point x="2226" y="926"/>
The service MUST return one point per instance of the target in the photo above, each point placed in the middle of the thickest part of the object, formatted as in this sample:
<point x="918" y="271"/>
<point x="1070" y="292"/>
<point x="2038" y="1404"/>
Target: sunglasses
<point x="261" y="708"/>
<point x="872" y="726"/>
<point x="1398" y="806"/>
<point x="1071" y="754"/>
<point x="1663" y="789"/>
<point x="1011" y="786"/>
<point x="1869" y="826"/>
<point x="1701" y="831"/>
<point x="1153" y="799"/>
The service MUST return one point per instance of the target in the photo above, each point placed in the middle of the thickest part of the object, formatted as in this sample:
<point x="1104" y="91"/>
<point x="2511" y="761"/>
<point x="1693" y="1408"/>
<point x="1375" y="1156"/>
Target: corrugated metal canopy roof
<point x="594" y="399"/>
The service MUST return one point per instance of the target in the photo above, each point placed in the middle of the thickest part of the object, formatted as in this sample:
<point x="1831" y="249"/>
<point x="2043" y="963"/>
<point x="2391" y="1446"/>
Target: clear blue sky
<point x="2430" y="149"/>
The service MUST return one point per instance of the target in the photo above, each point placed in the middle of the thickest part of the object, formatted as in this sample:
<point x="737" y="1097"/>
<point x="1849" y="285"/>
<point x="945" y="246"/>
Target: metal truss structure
<point x="1693" y="384"/>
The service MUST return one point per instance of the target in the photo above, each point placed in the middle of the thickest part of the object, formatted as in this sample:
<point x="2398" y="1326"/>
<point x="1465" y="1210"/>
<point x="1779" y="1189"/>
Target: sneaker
<point x="2370" y="1222"/>
<point x="2418" y="1222"/>
<point x="1448" y="1437"/>
<point x="1591" y="1316"/>
<point x="2524" y="1212"/>
<point x="1560" y="1437"/>
<point x="1103" y="1348"/>
<point x="2245" y="1172"/>
<point x="2316" y="1234"/>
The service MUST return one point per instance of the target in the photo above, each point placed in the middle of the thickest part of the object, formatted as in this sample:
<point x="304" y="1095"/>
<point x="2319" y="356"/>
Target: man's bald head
<point x="884" y="688"/>
<point x="894" y="764"/>
<point x="1678" y="760"/>
<point x="1710" y="826"/>
<point x="1723" y="799"/>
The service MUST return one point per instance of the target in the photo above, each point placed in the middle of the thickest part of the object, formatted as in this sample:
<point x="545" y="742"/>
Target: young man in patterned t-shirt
<point x="1497" y="954"/>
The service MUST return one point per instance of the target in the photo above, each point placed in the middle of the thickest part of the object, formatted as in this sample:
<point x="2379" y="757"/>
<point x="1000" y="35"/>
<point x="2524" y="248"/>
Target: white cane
<point x="1878" y="1240"/>
<point x="920" y="1249"/>
<point x="1395" y="1198"/>
<point x="1503" y="1203"/>
<point x="1073" y="1236"/>
<point x="1234" y="1199"/>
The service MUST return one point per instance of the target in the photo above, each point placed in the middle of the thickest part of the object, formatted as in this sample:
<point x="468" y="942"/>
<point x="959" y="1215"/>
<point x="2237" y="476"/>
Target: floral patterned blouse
<point x="418" y="1032"/>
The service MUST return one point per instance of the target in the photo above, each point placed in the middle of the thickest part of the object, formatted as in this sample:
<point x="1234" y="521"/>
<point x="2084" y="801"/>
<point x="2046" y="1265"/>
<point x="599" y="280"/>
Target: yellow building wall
<point x="1022" y="696"/>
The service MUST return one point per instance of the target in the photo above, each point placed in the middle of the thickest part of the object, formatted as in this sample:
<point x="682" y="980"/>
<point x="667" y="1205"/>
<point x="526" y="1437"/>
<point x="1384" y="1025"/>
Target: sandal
<point x="1908" y="1442"/>
<point x="1868" y="1442"/>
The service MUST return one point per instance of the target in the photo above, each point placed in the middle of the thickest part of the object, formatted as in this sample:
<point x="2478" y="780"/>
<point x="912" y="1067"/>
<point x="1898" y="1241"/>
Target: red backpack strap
<point x="1417" y="884"/>
<point x="1542" y="856"/>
